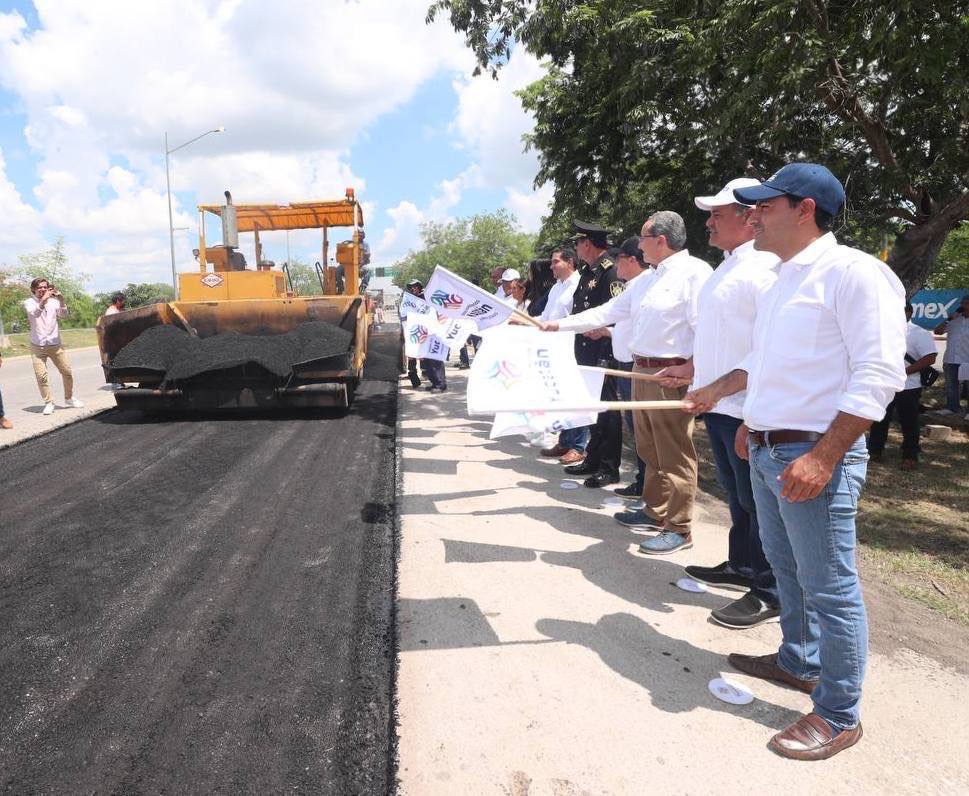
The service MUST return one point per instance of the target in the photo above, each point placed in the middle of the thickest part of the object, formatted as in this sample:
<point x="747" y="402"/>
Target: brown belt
<point x="763" y="438"/>
<point x="658" y="362"/>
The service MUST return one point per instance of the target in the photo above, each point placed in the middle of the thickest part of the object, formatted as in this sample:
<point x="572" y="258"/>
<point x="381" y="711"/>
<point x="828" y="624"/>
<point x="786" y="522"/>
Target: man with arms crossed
<point x="724" y="336"/>
<point x="829" y="342"/>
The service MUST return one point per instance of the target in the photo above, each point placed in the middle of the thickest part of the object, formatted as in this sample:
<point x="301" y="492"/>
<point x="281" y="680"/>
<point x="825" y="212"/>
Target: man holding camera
<point x="44" y="309"/>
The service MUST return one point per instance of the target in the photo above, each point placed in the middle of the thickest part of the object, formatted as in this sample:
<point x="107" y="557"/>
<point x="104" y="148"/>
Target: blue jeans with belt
<point x="744" y="550"/>
<point x="811" y="548"/>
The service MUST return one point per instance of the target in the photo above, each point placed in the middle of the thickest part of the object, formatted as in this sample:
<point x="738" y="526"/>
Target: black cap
<point x="599" y="235"/>
<point x="630" y="248"/>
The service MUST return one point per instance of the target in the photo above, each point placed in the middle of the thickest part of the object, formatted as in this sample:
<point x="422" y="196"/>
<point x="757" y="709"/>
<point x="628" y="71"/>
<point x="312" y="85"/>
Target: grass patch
<point x="70" y="338"/>
<point x="913" y="525"/>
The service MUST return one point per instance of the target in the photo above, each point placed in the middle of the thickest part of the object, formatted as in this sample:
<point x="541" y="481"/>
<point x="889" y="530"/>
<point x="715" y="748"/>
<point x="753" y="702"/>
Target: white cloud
<point x="491" y="123"/>
<point x="20" y="230"/>
<point x="294" y="84"/>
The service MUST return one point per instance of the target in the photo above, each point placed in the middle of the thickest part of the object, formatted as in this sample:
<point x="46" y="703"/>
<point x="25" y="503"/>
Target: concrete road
<point x="541" y="654"/>
<point x="200" y="605"/>
<point x="21" y="398"/>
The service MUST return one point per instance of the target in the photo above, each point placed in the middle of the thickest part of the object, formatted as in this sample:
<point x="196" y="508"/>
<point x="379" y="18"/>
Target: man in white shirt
<point x="559" y="304"/>
<point x="829" y="342"/>
<point x="663" y="310"/>
<point x="44" y="308"/>
<point x="495" y="277"/>
<point x="920" y="353"/>
<point x="956" y="330"/>
<point x="724" y="336"/>
<point x="116" y="305"/>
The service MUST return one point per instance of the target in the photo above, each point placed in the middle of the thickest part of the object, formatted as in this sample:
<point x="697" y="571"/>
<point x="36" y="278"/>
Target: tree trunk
<point x="916" y="249"/>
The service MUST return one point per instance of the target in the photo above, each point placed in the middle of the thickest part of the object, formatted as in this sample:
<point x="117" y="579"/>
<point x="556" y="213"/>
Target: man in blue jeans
<point x="726" y="308"/>
<point x="828" y="348"/>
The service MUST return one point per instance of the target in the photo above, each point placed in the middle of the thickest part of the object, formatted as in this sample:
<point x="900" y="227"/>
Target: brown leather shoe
<point x="765" y="667"/>
<point x="554" y="452"/>
<point x="572" y="457"/>
<point x="812" y="738"/>
<point x="4" y="423"/>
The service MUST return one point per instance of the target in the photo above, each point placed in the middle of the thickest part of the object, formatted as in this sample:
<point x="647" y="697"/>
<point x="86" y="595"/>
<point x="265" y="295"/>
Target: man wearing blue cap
<point x="829" y="342"/>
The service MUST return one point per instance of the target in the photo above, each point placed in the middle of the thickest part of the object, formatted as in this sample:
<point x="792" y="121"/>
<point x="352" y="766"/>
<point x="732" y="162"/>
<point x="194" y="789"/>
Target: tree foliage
<point x="136" y="295"/>
<point x="647" y="104"/>
<point x="470" y="247"/>
<point x="52" y="264"/>
<point x="953" y="266"/>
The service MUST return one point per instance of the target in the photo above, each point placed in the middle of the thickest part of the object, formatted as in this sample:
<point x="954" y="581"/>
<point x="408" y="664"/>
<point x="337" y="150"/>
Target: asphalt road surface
<point x="201" y="604"/>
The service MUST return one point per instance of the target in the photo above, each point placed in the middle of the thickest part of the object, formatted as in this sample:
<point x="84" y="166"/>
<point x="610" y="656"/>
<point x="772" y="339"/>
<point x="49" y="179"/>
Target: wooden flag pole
<point x="600" y="406"/>
<point x="525" y="318"/>
<point x="622" y="373"/>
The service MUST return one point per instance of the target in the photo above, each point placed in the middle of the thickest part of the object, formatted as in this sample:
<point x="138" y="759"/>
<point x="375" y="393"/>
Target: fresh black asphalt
<point x="202" y="604"/>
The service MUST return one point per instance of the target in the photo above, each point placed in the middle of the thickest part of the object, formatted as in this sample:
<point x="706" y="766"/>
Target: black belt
<point x="762" y="438"/>
<point x="658" y="362"/>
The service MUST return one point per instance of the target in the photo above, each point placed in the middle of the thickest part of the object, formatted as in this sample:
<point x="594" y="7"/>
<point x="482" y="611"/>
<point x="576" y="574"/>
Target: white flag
<point x="522" y="369"/>
<point x="527" y="423"/>
<point x="422" y="337"/>
<point x="455" y="297"/>
<point x="413" y="305"/>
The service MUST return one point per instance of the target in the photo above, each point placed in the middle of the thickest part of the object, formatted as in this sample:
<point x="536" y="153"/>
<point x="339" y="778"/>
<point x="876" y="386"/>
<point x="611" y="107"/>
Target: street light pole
<point x="168" y="186"/>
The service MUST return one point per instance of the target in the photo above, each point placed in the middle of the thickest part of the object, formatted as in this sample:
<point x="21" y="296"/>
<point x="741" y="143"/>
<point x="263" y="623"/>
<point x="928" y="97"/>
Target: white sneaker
<point x="74" y="403"/>
<point x="48" y="409"/>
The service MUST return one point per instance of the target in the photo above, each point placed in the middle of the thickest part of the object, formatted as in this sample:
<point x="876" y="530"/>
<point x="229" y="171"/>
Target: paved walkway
<point x="541" y="654"/>
<point x="22" y="403"/>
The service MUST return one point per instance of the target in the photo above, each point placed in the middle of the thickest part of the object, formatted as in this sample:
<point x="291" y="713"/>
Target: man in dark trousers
<point x="432" y="369"/>
<point x="598" y="282"/>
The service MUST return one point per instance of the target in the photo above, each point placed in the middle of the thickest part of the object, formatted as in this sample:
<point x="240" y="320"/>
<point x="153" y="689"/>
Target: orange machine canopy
<point x="298" y="215"/>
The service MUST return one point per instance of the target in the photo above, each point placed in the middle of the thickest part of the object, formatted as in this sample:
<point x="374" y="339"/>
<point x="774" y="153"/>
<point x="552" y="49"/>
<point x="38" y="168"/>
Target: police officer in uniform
<point x="598" y="282"/>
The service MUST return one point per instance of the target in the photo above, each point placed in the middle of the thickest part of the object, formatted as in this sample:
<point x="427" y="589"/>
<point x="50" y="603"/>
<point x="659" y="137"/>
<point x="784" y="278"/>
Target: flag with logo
<point x="520" y="369"/>
<point x="455" y="297"/>
<point x="431" y="335"/>
<point x="414" y="305"/>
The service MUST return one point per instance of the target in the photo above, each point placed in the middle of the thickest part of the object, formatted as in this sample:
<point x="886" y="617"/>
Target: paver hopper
<point x="246" y="339"/>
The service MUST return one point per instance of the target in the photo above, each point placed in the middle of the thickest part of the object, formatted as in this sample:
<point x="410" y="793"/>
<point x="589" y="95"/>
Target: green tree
<point x="52" y="264"/>
<point x="470" y="247"/>
<point x="647" y="104"/>
<point x="136" y="295"/>
<point x="953" y="268"/>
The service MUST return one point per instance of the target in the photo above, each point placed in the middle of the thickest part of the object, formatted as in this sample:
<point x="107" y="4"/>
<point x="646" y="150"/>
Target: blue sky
<point x="389" y="106"/>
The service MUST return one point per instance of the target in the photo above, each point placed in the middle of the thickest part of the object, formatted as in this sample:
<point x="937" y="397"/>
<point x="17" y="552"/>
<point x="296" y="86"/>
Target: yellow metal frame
<point x="264" y="217"/>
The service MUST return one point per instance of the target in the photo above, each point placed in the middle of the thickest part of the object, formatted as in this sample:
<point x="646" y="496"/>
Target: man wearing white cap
<point x="726" y="308"/>
<point x="508" y="276"/>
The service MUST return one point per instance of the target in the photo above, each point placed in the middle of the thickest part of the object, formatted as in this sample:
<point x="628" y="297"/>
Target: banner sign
<point x="522" y="369"/>
<point x="455" y="297"/>
<point x="931" y="307"/>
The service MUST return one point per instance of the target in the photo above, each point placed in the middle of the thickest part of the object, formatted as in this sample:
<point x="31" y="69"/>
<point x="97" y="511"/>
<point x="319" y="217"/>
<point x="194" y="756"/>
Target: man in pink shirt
<point x="43" y="310"/>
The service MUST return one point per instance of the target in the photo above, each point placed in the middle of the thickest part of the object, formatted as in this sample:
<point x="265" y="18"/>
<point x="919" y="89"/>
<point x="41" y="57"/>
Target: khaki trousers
<point x="39" y="354"/>
<point x="664" y="440"/>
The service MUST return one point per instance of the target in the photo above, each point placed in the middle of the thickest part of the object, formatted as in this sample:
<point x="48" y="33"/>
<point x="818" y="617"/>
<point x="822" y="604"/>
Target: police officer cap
<point x="597" y="234"/>
<point x="630" y="248"/>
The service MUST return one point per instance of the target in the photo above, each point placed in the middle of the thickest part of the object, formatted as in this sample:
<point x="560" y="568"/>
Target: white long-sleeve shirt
<point x="622" y="332"/>
<point x="44" y="329"/>
<point x="559" y="302"/>
<point x="662" y="307"/>
<point x="727" y="307"/>
<point x="829" y="337"/>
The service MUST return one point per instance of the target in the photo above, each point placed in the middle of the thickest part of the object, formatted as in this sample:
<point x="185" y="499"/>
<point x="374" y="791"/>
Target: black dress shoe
<point x="583" y="468"/>
<point x="722" y="575"/>
<point x="634" y="491"/>
<point x="601" y="479"/>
